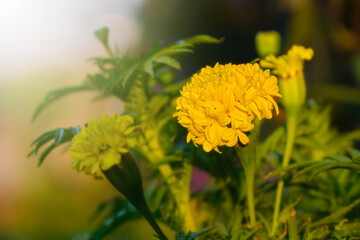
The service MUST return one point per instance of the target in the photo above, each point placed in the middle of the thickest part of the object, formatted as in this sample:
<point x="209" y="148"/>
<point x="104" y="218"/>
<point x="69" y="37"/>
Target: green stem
<point x="180" y="189"/>
<point x="247" y="157"/>
<point x="181" y="197"/>
<point x="291" y="124"/>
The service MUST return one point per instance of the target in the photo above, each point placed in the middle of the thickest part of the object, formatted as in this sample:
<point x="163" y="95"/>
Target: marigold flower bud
<point x="267" y="43"/>
<point x="289" y="69"/>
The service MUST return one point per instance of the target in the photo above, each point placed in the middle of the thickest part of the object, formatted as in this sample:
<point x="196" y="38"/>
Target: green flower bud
<point x="126" y="178"/>
<point x="267" y="43"/>
<point x="290" y="70"/>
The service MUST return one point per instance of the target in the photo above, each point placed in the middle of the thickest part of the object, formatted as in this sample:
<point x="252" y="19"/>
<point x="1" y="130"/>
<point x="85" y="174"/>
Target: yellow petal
<point x="242" y="136"/>
<point x="109" y="158"/>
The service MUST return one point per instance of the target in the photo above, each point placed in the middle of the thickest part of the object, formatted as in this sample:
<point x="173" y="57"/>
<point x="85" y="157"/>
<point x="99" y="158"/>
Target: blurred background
<point x="45" y="45"/>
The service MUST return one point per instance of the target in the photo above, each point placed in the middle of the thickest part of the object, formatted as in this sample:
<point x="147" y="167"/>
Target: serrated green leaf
<point x="57" y="94"/>
<point x="168" y="61"/>
<point x="60" y="135"/>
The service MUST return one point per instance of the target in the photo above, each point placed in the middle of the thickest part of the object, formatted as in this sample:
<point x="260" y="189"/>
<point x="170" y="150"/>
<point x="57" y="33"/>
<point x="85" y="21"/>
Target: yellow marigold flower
<point x="100" y="144"/>
<point x="290" y="64"/>
<point x="219" y="104"/>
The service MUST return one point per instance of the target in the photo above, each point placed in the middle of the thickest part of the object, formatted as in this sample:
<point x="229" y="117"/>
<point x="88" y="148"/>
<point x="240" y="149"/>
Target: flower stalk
<point x="291" y="125"/>
<point x="247" y="157"/>
<point x="289" y="68"/>
<point x="180" y="188"/>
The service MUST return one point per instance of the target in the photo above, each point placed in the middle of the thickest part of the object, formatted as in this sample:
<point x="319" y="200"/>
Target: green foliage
<point x="59" y="135"/>
<point x="57" y="94"/>
<point x="315" y="167"/>
<point x="321" y="196"/>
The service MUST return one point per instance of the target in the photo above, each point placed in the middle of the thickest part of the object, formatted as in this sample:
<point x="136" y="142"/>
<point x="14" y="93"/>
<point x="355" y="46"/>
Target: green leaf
<point x="285" y="169"/>
<point x="350" y="166"/>
<point x="59" y="135"/>
<point x="265" y="222"/>
<point x="191" y="235"/>
<point x="285" y="212"/>
<point x="354" y="153"/>
<point x="168" y="61"/>
<point x="40" y="141"/>
<point x="124" y="215"/>
<point x="200" y="39"/>
<point x="102" y="34"/>
<point x="56" y="94"/>
<point x="148" y="67"/>
<point x="157" y="103"/>
<point x="127" y="74"/>
<point x="307" y="229"/>
<point x="248" y="234"/>
<point x="293" y="232"/>
<point x="171" y="51"/>
<point x="272" y="141"/>
<point x="175" y="88"/>
<point x="45" y="153"/>
<point x="82" y="236"/>
<point x="334" y="217"/>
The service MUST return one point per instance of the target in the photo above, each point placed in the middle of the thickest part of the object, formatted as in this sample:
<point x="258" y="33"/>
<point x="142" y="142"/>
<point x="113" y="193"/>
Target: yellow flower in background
<point x="219" y="104"/>
<point x="290" y="64"/>
<point x="100" y="144"/>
